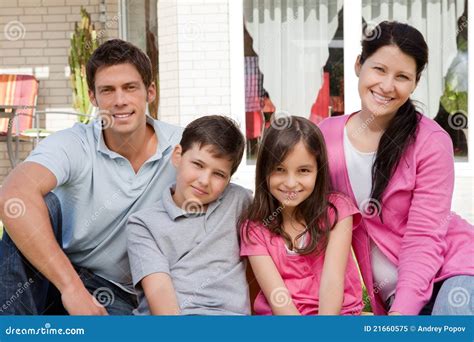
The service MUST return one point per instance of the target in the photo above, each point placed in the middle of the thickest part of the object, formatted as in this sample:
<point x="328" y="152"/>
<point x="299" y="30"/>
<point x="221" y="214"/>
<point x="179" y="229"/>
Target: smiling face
<point x="201" y="177"/>
<point x="121" y="97"/>
<point x="293" y="181"/>
<point x="386" y="80"/>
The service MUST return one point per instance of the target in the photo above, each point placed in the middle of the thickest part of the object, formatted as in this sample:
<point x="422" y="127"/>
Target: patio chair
<point x="18" y="95"/>
<point x="18" y="112"/>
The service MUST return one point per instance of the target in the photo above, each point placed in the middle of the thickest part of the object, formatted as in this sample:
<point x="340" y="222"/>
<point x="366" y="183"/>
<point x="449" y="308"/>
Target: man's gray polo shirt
<point x="98" y="190"/>
<point x="199" y="252"/>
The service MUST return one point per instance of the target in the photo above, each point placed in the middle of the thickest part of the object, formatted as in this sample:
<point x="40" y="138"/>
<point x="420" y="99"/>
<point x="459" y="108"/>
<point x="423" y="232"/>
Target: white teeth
<point x="381" y="98"/>
<point x="121" y="116"/>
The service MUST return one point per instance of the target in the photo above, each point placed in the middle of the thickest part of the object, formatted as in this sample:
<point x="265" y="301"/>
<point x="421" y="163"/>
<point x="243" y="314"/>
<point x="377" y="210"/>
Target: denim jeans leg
<point x="23" y="289"/>
<point x="456" y="297"/>
<point x="115" y="300"/>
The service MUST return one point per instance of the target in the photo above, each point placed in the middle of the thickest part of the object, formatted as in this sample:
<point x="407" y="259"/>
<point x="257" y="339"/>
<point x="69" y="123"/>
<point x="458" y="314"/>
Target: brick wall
<point x="34" y="39"/>
<point x="194" y="59"/>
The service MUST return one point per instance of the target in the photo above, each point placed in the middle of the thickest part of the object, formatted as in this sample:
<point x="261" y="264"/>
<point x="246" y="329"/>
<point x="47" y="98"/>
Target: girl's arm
<point x="160" y="294"/>
<point x="272" y="285"/>
<point x="331" y="290"/>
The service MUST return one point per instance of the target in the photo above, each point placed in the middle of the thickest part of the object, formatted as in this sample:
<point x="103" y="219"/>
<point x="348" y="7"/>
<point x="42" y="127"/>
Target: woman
<point x="415" y="255"/>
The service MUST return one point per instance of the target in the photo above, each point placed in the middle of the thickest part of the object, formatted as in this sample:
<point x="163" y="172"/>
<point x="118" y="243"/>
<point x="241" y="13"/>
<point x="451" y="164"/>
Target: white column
<point x="352" y="48"/>
<point x="193" y="38"/>
<point x="236" y="47"/>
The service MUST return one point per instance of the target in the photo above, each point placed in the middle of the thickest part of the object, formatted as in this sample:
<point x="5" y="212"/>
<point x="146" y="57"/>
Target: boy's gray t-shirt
<point x="199" y="252"/>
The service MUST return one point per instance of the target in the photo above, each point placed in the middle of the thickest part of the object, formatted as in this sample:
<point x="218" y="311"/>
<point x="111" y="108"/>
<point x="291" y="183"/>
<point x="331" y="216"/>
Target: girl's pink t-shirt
<point x="302" y="273"/>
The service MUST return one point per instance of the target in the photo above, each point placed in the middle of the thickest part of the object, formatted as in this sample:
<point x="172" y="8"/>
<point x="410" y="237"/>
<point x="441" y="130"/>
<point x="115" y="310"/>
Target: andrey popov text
<point x="414" y="328"/>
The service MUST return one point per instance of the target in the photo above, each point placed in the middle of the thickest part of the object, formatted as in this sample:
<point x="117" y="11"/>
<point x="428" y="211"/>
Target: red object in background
<point x="320" y="109"/>
<point x="253" y="124"/>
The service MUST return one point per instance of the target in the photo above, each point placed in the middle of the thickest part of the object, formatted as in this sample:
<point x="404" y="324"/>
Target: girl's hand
<point x="272" y="285"/>
<point x="394" y="313"/>
<point x="331" y="291"/>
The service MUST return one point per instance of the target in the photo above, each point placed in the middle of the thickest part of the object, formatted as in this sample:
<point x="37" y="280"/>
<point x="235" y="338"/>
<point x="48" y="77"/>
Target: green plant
<point x="454" y="101"/>
<point x="83" y="43"/>
<point x="366" y="300"/>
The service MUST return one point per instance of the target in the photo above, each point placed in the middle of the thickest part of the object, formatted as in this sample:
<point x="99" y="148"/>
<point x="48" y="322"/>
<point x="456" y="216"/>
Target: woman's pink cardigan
<point x="419" y="234"/>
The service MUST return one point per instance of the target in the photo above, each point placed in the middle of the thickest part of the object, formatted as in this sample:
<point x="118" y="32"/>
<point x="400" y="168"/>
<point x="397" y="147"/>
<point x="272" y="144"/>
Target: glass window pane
<point x="142" y="29"/>
<point x="293" y="62"/>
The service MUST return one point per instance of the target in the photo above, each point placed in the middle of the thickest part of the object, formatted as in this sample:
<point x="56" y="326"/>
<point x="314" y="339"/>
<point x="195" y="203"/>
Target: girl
<point x="398" y="166"/>
<point x="296" y="234"/>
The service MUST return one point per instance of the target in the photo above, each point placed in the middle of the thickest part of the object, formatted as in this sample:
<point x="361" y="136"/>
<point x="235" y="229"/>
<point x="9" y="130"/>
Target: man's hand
<point x="78" y="301"/>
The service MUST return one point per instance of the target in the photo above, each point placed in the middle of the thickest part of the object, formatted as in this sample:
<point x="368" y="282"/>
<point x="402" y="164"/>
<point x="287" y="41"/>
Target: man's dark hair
<point x="117" y="51"/>
<point x="218" y="132"/>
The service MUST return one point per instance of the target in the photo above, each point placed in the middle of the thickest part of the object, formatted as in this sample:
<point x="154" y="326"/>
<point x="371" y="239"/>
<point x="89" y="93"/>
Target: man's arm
<point x="33" y="235"/>
<point x="160" y="294"/>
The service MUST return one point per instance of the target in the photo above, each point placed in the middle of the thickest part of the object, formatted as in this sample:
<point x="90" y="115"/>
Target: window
<point x="293" y="62"/>
<point x="140" y="27"/>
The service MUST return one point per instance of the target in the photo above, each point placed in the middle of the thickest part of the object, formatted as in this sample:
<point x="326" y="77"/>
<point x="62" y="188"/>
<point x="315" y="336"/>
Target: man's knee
<point x="455" y="297"/>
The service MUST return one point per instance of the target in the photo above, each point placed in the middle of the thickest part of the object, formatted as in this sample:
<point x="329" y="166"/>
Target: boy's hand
<point x="78" y="301"/>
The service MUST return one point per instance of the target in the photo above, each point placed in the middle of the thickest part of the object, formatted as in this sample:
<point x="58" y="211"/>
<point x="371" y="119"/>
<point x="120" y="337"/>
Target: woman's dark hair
<point x="265" y="209"/>
<point x="402" y="129"/>
<point x="117" y="51"/>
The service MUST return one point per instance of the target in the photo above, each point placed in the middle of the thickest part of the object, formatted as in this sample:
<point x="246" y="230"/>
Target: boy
<point x="184" y="252"/>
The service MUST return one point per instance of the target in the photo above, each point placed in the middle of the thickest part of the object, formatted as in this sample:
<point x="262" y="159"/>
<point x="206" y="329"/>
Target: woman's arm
<point x="424" y="240"/>
<point x="272" y="285"/>
<point x="331" y="290"/>
<point x="160" y="294"/>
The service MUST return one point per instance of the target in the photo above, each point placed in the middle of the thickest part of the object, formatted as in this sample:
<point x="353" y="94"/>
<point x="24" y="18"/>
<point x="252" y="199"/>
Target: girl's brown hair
<point x="277" y="143"/>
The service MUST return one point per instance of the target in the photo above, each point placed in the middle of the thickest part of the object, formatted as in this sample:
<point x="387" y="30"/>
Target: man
<point x="100" y="173"/>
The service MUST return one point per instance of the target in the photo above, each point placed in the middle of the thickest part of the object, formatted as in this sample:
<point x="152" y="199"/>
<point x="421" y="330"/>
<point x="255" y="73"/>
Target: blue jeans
<point x="456" y="297"/>
<point x="25" y="291"/>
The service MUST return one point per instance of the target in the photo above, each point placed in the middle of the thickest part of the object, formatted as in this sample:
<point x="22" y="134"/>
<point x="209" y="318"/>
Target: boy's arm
<point x="160" y="294"/>
<point x="272" y="285"/>
<point x="149" y="264"/>
<point x="331" y="290"/>
<point x="32" y="233"/>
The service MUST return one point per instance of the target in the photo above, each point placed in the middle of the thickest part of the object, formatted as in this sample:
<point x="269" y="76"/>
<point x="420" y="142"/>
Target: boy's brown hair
<point x="220" y="133"/>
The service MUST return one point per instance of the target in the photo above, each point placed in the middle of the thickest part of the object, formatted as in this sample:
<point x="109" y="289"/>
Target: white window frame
<point x="123" y="19"/>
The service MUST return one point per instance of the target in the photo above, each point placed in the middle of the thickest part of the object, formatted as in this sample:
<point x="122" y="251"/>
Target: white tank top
<point x="359" y="168"/>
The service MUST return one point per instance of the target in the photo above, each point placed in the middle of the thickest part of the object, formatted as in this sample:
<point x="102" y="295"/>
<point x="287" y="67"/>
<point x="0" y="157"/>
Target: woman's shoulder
<point x="333" y="121"/>
<point x="428" y="126"/>
<point x="429" y="132"/>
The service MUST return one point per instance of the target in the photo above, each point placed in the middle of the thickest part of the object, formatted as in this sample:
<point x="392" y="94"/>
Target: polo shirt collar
<point x="173" y="211"/>
<point x="163" y="143"/>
